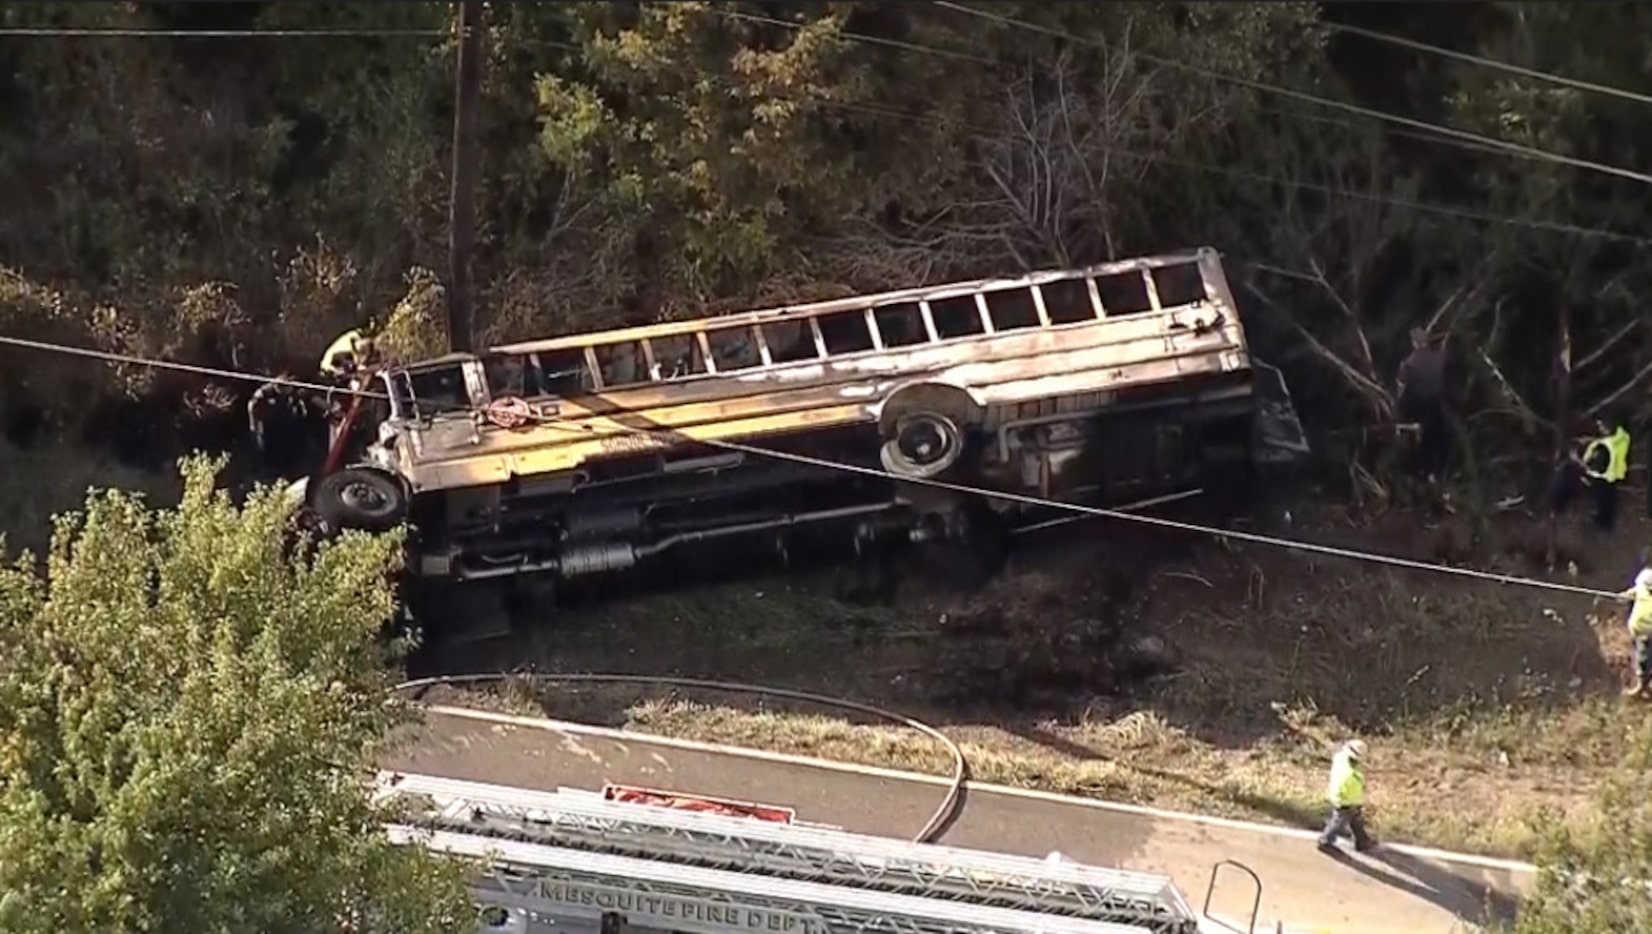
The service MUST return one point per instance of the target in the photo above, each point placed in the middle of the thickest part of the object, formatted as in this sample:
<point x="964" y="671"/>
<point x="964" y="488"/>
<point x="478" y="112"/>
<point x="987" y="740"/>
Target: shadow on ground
<point x="1471" y="900"/>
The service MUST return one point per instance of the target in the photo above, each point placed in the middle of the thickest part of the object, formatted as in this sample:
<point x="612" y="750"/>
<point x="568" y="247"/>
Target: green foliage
<point x="744" y="156"/>
<point x="162" y="186"/>
<point x="188" y="710"/>
<point x="1597" y="876"/>
<point x="241" y="201"/>
<point x="416" y="328"/>
<point x="720" y="151"/>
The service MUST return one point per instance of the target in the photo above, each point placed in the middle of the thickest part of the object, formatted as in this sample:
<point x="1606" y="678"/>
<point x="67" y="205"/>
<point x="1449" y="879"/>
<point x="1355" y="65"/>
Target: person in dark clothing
<point x="1421" y="384"/>
<point x="1568" y="479"/>
<point x="280" y="419"/>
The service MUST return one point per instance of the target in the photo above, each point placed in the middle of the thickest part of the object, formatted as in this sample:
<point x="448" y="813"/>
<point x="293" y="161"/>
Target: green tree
<point x="190" y="701"/>
<point x="748" y="155"/>
<point x="217" y="200"/>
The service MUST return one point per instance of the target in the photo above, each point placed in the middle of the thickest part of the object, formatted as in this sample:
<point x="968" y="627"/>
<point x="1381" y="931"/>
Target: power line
<point x="1489" y="143"/>
<point x="955" y="55"/>
<point x="1491" y="63"/>
<point x="1099" y="512"/>
<point x="1021" y="498"/>
<point x="1462" y="213"/>
<point x="139" y="33"/>
<point x="867" y="39"/>
<point x="158" y="364"/>
<point x="1423" y="206"/>
<point x="1445" y="131"/>
<point x="997" y="62"/>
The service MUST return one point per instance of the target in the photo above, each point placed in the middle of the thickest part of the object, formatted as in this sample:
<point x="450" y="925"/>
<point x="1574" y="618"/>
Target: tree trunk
<point x="1562" y="419"/>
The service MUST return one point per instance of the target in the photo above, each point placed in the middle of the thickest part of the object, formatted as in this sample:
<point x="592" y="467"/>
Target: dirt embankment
<point x="1149" y="666"/>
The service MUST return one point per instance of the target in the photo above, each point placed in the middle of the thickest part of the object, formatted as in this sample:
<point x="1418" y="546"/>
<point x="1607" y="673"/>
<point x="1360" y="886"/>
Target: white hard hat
<point x="1356" y="749"/>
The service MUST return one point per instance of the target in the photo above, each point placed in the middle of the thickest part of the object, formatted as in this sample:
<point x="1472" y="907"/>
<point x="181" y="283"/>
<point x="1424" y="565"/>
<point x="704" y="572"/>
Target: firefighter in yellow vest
<point x="351" y="351"/>
<point x="1640" y="631"/>
<point x="1347" y="797"/>
<point x="1605" y="464"/>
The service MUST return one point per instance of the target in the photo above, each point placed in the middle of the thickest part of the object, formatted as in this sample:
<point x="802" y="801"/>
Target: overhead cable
<point x="1426" y="207"/>
<point x="1460" y="212"/>
<point x="1453" y="133"/>
<point x="1421" y="206"/>
<point x="956" y="55"/>
<point x="1100" y="512"/>
<point x="158" y="364"/>
<point x="141" y="33"/>
<point x="863" y="38"/>
<point x="1491" y="63"/>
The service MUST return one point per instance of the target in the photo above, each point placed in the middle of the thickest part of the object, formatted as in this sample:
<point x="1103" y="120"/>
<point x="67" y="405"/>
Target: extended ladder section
<point x="847" y="881"/>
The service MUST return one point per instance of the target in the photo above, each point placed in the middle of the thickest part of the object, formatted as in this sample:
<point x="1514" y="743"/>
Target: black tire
<point x="360" y="498"/>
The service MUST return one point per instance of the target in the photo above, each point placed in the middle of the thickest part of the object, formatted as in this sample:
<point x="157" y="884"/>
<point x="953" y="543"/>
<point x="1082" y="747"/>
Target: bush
<point x="188" y="708"/>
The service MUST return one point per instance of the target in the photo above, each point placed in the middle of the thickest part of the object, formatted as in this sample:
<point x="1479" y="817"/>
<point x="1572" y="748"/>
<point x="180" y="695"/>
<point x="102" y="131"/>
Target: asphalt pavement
<point x="1395" y="889"/>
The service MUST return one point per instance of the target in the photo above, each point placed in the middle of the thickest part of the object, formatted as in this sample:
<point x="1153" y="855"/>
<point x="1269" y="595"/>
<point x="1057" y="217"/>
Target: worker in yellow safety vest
<point x="1606" y="463"/>
<point x="1347" y="797"/>
<point x="352" y="350"/>
<point x="1601" y="466"/>
<point x="1640" y="630"/>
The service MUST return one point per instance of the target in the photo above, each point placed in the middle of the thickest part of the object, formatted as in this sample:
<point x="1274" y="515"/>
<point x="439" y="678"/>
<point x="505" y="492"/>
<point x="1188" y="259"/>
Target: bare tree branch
<point x="1612" y="397"/>
<point x="1445" y="306"/>
<point x="1374" y="394"/>
<point x="1606" y="346"/>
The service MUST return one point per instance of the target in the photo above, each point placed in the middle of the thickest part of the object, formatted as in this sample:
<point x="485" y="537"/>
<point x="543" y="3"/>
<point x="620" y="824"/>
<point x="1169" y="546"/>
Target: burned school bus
<point x="599" y="452"/>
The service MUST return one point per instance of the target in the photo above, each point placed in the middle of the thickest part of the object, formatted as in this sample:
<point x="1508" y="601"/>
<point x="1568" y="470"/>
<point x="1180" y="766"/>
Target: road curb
<point x="632" y="736"/>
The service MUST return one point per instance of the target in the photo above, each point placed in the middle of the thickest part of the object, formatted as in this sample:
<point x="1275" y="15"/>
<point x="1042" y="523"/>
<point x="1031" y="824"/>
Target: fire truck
<point x="580" y="861"/>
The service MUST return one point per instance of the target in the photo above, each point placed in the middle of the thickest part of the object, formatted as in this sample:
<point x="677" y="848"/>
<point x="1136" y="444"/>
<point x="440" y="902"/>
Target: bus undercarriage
<point x="698" y="510"/>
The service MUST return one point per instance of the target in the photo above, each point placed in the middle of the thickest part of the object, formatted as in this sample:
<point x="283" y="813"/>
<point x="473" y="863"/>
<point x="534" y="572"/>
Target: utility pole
<point x="461" y="218"/>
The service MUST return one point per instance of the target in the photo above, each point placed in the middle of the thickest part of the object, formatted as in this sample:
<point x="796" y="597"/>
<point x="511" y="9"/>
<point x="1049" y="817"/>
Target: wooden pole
<point x="461" y="224"/>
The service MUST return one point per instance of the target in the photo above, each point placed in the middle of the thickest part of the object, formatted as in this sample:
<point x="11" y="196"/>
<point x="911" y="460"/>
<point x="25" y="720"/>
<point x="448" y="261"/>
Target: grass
<point x="1485" y="707"/>
<point x="1142" y="759"/>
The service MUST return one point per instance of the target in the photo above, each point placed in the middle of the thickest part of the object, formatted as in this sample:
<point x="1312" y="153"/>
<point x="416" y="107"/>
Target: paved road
<point x="1396" y="890"/>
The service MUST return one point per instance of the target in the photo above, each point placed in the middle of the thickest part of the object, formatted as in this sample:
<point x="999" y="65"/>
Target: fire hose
<point x="937" y="822"/>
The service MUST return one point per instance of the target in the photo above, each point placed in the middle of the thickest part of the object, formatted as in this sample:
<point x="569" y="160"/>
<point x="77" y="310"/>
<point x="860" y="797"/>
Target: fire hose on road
<point x="931" y="830"/>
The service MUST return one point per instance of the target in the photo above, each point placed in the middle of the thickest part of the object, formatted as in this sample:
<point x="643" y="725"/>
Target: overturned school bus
<point x="601" y="452"/>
